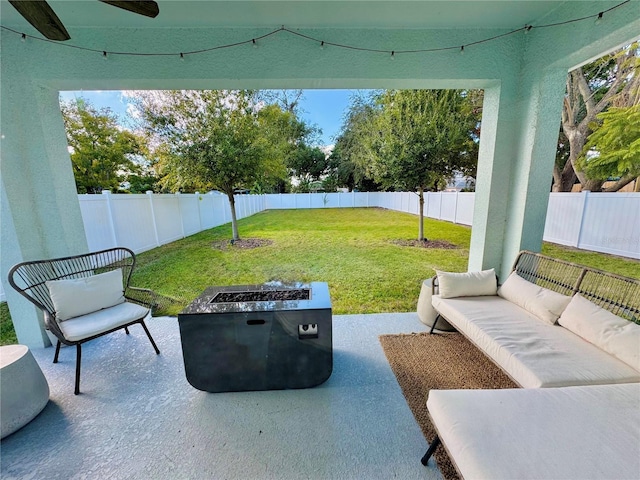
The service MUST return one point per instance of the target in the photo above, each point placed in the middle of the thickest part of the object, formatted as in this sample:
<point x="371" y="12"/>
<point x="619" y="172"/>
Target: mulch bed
<point x="243" y="243"/>
<point x="422" y="362"/>
<point x="425" y="244"/>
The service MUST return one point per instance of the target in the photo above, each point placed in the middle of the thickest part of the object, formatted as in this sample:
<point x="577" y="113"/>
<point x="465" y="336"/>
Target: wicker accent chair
<point x="33" y="281"/>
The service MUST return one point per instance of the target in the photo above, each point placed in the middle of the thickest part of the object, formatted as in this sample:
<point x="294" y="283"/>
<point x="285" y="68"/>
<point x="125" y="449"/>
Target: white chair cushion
<point x="545" y="304"/>
<point x="615" y="335"/>
<point x="79" y="328"/>
<point x="78" y="296"/>
<point x="470" y="284"/>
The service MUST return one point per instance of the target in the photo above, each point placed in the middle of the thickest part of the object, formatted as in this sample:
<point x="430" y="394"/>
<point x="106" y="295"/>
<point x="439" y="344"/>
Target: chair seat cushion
<point x="95" y="323"/>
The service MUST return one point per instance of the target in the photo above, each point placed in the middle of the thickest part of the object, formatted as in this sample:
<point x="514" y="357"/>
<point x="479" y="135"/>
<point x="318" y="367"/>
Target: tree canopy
<point x="616" y="143"/>
<point x="413" y="140"/>
<point x="218" y="139"/>
<point x="102" y="154"/>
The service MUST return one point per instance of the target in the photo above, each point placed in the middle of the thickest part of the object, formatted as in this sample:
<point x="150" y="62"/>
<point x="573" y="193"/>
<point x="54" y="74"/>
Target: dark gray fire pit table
<point x="258" y="337"/>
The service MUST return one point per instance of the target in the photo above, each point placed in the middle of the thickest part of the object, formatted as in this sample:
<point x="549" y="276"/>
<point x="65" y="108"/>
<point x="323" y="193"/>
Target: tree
<point x="348" y="163"/>
<point x="421" y="139"/>
<point x="307" y="163"/>
<point x="591" y="89"/>
<point x="102" y="154"/>
<point x="211" y="139"/>
<point x="616" y="143"/>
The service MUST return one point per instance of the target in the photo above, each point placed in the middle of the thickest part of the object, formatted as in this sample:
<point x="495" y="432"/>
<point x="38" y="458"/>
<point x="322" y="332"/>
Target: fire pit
<point x="258" y="337"/>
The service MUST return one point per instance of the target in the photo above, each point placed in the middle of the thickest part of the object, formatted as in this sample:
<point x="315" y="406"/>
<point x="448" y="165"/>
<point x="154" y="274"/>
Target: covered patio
<point x="137" y="416"/>
<point x="316" y="44"/>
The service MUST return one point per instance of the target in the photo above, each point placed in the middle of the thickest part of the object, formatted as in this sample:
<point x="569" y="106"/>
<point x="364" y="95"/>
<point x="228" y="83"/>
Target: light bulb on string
<point x="181" y="56"/>
<point x="322" y="45"/>
<point x="24" y="37"/>
<point x="599" y="19"/>
<point x="104" y="55"/>
<point x="254" y="43"/>
<point x="462" y="50"/>
<point x="393" y="55"/>
<point x="527" y="28"/>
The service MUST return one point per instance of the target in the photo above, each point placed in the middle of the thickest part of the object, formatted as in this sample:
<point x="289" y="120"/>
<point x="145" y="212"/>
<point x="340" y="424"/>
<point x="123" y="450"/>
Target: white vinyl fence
<point x="601" y="222"/>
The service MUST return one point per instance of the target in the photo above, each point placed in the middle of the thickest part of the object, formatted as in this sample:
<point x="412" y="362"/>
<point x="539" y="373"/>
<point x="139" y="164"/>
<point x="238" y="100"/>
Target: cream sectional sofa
<point x="550" y="324"/>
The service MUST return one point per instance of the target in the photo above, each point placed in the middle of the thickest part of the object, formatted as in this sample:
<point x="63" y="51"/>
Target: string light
<point x="254" y="41"/>
<point x="599" y="19"/>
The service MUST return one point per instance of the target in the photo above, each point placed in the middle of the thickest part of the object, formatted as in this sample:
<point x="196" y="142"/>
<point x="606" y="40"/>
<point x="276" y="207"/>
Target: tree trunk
<point x="234" y="220"/>
<point x="421" y="215"/>
<point x="620" y="184"/>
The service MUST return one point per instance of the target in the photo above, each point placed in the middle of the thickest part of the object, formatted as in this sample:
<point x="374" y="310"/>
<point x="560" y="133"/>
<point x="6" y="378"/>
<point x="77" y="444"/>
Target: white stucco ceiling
<point x="505" y="14"/>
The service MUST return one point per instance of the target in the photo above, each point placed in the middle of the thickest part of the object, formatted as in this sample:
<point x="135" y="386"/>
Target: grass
<point x="348" y="248"/>
<point x="7" y="333"/>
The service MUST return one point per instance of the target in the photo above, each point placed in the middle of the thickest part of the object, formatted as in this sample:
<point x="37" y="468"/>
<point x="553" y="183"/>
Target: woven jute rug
<point x="422" y="362"/>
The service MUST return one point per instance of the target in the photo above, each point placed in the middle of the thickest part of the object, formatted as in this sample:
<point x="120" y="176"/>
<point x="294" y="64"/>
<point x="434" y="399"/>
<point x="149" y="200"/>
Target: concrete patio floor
<point x="138" y="417"/>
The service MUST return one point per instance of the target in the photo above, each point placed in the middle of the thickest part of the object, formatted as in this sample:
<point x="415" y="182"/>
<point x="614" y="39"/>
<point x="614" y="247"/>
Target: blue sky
<point x="324" y="108"/>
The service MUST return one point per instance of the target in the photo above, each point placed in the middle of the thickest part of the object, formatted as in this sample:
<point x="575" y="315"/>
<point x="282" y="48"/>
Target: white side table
<point x="24" y="391"/>
<point x="426" y="313"/>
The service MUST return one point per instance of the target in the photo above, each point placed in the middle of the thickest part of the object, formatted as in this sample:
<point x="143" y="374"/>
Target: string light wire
<point x="323" y="43"/>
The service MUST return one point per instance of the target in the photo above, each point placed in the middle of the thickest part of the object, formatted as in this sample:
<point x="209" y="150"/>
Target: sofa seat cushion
<point x="587" y="432"/>
<point x="95" y="323"/>
<point x="534" y="353"/>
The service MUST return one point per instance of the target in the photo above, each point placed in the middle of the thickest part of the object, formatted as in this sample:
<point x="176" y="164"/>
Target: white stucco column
<point x="40" y="210"/>
<point x="520" y="125"/>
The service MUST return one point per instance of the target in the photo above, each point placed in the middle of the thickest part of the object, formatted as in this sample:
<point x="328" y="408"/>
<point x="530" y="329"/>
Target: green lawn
<point x="350" y="249"/>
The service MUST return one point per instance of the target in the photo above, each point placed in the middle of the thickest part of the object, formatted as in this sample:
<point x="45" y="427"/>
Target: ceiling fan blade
<point x="148" y="8"/>
<point x="39" y="14"/>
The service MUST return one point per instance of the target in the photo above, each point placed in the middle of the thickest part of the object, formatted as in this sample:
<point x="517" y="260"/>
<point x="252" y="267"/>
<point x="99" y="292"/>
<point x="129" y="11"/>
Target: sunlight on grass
<point x="349" y="249"/>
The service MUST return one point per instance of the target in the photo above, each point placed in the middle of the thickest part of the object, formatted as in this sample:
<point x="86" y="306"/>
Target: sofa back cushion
<point x="80" y="296"/>
<point x="545" y="304"/>
<point x="609" y="332"/>
<point x="470" y="284"/>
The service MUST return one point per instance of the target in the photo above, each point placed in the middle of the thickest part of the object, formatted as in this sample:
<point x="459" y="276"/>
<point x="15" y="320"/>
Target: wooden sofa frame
<point x="615" y="293"/>
<point x="29" y="279"/>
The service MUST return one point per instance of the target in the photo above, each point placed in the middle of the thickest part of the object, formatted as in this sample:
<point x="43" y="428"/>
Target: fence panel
<point x="464" y="210"/>
<point x="132" y="221"/>
<point x="189" y="206"/>
<point x="167" y="216"/>
<point x="564" y="216"/>
<point x="206" y="212"/>
<point x="448" y="206"/>
<point x="611" y="224"/>
<point x="433" y="207"/>
<point x="96" y="217"/>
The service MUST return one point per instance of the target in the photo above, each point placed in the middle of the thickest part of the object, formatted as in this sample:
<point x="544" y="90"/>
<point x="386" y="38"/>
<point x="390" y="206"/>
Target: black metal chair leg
<point x="78" y="360"/>
<point x="155" y="347"/>
<point x="434" y="324"/>
<point x="126" y="329"/>
<point x="55" y="357"/>
<point x="430" y="450"/>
